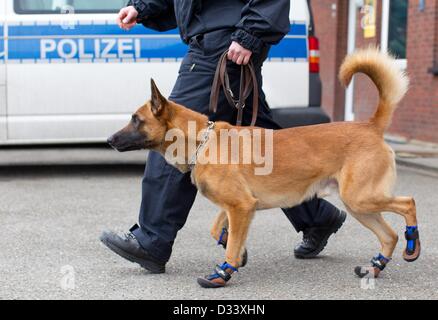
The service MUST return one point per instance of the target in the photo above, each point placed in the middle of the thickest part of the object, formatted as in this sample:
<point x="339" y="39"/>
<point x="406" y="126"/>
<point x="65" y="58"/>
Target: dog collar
<point x="205" y="137"/>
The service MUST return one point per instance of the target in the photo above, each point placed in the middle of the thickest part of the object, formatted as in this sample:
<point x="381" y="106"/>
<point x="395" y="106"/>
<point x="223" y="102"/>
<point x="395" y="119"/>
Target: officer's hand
<point x="127" y="18"/>
<point x="239" y="54"/>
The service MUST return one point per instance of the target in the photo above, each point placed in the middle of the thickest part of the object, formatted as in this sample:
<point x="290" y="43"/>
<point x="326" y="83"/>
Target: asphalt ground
<point x="51" y="219"/>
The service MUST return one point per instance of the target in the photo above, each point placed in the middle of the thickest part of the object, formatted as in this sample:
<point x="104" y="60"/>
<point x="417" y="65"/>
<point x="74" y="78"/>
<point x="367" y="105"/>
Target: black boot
<point x="315" y="239"/>
<point x="127" y="246"/>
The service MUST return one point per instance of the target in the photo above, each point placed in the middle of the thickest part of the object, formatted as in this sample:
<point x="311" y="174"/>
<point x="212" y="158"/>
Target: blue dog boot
<point x="378" y="264"/>
<point x="219" y="278"/>
<point x="413" y="246"/>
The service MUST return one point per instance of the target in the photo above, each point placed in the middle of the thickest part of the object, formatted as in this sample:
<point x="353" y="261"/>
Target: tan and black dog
<point x="305" y="159"/>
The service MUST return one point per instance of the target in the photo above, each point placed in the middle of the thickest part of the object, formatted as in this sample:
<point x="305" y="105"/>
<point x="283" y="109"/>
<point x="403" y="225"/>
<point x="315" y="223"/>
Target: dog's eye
<point x="134" y="119"/>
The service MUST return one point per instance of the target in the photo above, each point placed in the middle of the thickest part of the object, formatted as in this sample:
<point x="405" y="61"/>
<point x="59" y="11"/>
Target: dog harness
<point x="204" y="140"/>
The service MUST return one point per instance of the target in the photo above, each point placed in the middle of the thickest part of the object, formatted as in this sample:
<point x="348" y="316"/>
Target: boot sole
<point x="324" y="242"/>
<point x="145" y="264"/>
<point x="207" y="284"/>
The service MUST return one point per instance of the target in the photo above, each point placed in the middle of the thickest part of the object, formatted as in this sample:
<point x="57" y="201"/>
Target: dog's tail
<point x="391" y="82"/>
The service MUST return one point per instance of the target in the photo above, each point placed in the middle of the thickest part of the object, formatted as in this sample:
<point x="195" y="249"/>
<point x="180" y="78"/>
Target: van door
<point x="73" y="75"/>
<point x="286" y="73"/>
<point x="3" y="106"/>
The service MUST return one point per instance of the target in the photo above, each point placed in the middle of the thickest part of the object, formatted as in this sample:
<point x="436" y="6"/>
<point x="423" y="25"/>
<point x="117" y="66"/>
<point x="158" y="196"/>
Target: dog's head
<point x="147" y="128"/>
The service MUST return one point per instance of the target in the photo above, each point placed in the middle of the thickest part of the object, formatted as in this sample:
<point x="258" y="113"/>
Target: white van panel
<point x="52" y="129"/>
<point x="292" y="90"/>
<point x="84" y="88"/>
<point x="108" y="94"/>
<point x="299" y="10"/>
<point x="3" y="106"/>
<point x="280" y="79"/>
<point x="57" y="95"/>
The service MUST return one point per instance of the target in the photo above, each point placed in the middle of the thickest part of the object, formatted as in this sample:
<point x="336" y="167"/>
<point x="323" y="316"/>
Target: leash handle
<point x="248" y="84"/>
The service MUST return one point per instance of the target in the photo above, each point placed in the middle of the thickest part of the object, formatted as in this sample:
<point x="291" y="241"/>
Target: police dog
<point x="305" y="159"/>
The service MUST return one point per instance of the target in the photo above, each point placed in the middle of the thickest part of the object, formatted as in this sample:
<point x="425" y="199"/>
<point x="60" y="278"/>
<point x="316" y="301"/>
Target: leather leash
<point x="248" y="84"/>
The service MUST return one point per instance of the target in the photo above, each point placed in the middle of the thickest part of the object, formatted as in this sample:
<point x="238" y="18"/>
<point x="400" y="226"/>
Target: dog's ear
<point x="158" y="102"/>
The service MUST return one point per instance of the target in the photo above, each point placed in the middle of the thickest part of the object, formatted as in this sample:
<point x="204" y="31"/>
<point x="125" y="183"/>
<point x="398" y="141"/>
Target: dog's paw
<point x="412" y="255"/>
<point x="219" y="278"/>
<point x="211" y="284"/>
<point x="378" y="264"/>
<point x="413" y="245"/>
<point x="367" y="272"/>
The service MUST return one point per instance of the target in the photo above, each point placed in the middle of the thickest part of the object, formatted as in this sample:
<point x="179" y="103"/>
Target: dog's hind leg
<point x="371" y="194"/>
<point x="388" y="240"/>
<point x="406" y="207"/>
<point x="364" y="196"/>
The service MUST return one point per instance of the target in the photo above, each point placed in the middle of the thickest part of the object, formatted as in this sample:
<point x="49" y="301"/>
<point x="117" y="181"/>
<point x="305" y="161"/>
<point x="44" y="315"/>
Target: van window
<point x="67" y="6"/>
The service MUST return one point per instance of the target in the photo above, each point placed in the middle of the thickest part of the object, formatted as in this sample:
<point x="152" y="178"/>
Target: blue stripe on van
<point x="2" y="44"/>
<point x="295" y="48"/>
<point x="298" y="30"/>
<point x="23" y="49"/>
<point x="158" y="48"/>
<point x="91" y="42"/>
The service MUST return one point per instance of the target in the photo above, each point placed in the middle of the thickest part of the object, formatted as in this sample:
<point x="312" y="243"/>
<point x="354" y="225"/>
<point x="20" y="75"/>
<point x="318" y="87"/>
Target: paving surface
<point x="51" y="218"/>
<point x="417" y="155"/>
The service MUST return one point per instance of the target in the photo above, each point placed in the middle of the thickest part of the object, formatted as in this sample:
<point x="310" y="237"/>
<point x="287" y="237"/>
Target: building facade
<point x="408" y="29"/>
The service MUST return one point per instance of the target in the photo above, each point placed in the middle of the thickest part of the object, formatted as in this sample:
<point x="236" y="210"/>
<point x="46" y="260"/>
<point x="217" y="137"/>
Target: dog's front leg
<point x="239" y="219"/>
<point x="219" y="232"/>
<point x="220" y="227"/>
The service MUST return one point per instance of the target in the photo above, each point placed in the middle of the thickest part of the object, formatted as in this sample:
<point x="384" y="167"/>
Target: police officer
<point x="247" y="28"/>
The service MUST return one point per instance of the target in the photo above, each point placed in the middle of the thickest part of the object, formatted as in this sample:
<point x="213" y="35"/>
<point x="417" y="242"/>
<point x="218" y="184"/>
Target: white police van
<point x="69" y="74"/>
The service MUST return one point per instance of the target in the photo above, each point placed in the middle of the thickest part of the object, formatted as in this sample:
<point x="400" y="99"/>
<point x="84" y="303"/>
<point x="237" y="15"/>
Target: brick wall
<point x="331" y="18"/>
<point x="417" y="116"/>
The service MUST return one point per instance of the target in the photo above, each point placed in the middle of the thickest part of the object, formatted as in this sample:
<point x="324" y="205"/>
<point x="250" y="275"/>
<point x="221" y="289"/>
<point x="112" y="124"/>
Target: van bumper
<point x="297" y="117"/>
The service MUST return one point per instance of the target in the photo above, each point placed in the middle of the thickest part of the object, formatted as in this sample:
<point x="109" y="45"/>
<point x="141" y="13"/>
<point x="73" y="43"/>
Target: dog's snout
<point x="111" y="140"/>
<point x="126" y="140"/>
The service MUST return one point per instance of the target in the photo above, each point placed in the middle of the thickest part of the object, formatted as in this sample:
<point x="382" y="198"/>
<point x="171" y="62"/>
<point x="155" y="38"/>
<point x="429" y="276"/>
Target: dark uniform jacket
<point x="254" y="24"/>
